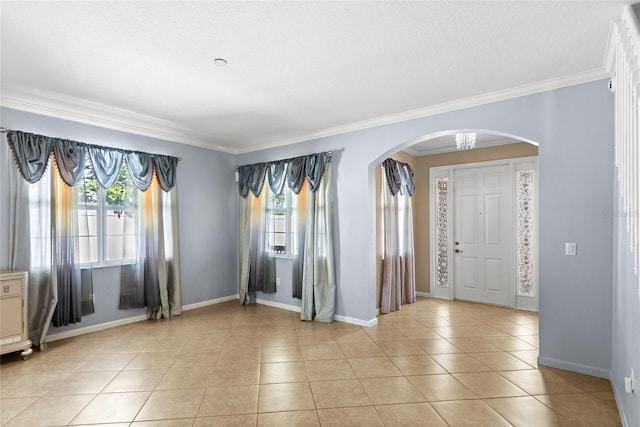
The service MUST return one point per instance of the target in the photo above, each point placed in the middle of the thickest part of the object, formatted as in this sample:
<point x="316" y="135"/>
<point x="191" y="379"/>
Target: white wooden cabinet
<point x="14" y="332"/>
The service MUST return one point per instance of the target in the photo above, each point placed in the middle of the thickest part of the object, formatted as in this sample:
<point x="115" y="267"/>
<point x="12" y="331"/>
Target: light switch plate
<point x="570" y="248"/>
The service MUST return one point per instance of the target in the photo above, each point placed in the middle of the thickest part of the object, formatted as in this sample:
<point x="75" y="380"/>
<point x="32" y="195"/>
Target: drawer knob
<point x="6" y="288"/>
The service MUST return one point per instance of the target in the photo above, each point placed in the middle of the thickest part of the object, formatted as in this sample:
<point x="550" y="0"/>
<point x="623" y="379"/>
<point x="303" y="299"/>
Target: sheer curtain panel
<point x="311" y="249"/>
<point x="45" y="216"/>
<point x="398" y="268"/>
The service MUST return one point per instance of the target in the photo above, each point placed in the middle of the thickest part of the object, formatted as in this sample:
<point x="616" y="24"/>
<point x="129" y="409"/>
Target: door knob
<point x="458" y="251"/>
<point x="456" y="243"/>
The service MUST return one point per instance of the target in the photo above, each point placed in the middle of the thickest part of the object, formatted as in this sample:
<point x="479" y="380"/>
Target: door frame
<point x="447" y="291"/>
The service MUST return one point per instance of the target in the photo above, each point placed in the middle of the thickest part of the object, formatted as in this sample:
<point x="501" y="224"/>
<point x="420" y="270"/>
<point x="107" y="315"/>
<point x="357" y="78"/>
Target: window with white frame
<point x="281" y="223"/>
<point x="106" y="219"/>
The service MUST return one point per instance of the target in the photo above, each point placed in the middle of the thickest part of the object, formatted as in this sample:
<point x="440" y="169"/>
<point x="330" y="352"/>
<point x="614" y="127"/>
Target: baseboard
<point x="354" y="321"/>
<point x="574" y="367"/>
<point x="623" y="415"/>
<point x="121" y="322"/>
<point x="423" y="294"/>
<point x="126" y="321"/>
<point x="278" y="305"/>
<point x="95" y="328"/>
<point x="209" y="302"/>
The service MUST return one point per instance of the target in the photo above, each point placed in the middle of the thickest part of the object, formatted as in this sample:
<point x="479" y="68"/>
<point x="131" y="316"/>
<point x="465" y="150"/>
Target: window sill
<point x="104" y="265"/>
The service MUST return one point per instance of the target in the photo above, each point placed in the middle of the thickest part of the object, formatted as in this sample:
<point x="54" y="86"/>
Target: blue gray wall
<point x="206" y="203"/>
<point x="574" y="129"/>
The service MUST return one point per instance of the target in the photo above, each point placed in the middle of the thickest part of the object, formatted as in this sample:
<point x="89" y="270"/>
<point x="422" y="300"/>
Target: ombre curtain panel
<point x="398" y="268"/>
<point x="313" y="273"/>
<point x="44" y="225"/>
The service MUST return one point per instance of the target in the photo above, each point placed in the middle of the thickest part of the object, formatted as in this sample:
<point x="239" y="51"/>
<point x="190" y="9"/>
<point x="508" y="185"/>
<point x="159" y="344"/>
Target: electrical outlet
<point x="277" y="282"/>
<point x="570" y="248"/>
<point x="630" y="383"/>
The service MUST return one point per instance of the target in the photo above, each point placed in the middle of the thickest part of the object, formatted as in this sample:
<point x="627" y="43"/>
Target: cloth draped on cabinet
<point x="44" y="227"/>
<point x="398" y="270"/>
<point x="313" y="277"/>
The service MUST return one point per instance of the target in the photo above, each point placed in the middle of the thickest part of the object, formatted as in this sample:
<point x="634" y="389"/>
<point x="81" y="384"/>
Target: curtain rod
<point x="328" y="153"/>
<point x="122" y="150"/>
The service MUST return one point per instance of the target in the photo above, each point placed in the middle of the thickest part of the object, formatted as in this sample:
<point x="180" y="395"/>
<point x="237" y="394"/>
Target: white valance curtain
<point x="398" y="271"/>
<point x="44" y="226"/>
<point x="309" y="179"/>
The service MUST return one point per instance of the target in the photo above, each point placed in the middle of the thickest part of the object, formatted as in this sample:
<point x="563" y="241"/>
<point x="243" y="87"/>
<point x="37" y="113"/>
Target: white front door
<point x="483" y="234"/>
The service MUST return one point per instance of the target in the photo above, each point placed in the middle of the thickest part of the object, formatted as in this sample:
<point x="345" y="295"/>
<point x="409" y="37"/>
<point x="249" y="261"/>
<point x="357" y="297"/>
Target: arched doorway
<point x="437" y="152"/>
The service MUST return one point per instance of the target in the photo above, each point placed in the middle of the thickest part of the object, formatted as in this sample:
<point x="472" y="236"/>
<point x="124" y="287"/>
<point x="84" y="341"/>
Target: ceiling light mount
<point x="220" y="62"/>
<point x="465" y="140"/>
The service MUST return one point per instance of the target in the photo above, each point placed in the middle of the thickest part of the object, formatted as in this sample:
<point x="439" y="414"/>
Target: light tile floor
<point x="434" y="363"/>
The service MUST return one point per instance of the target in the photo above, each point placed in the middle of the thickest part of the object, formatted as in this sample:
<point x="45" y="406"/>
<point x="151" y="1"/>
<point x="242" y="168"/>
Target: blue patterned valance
<point x="399" y="177"/>
<point x="289" y="171"/>
<point x="31" y="153"/>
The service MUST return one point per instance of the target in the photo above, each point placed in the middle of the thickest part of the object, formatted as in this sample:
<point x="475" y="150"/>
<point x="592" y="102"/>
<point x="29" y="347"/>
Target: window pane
<point x="526" y="283"/>
<point x="277" y="232"/>
<point x="122" y="192"/>
<point x="87" y="249"/>
<point x="115" y="222"/>
<point x="119" y="234"/>
<point x="115" y="246"/>
<point x="442" y="230"/>
<point x="129" y="250"/>
<point x="87" y="188"/>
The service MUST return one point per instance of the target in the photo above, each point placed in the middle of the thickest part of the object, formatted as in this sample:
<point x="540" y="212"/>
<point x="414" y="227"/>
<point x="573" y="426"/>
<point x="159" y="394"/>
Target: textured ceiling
<point x="296" y="70"/>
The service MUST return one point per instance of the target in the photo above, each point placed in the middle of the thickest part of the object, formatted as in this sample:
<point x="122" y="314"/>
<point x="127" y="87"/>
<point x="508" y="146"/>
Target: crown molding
<point x="502" y="95"/>
<point x="93" y="113"/>
<point x="97" y="114"/>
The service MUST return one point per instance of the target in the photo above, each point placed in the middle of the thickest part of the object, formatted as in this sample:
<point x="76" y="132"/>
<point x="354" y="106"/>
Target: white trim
<point x="435" y="172"/>
<point x="209" y="302"/>
<point x="128" y="320"/>
<point x="616" y="395"/>
<point x="95" y="328"/>
<point x="337" y="317"/>
<point x="609" y="63"/>
<point x="93" y="113"/>
<point x="275" y="304"/>
<point x="423" y="294"/>
<point x="574" y="367"/>
<point x="354" y="321"/>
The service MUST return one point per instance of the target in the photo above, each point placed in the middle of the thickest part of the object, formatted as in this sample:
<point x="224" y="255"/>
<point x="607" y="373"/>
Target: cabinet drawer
<point x="10" y="287"/>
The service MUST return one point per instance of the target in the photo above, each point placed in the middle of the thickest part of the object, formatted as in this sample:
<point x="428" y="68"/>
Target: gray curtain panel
<point x="70" y="158"/>
<point x="407" y="178"/>
<point x="399" y="177"/>
<point x="41" y="288"/>
<point x="106" y="165"/>
<point x="262" y="270"/>
<point x="166" y="171"/>
<point x="300" y="227"/>
<point x="393" y="176"/>
<point x="314" y="170"/>
<point x="55" y="275"/>
<point x="277" y="176"/>
<point x="31" y="153"/>
<point x="140" y="169"/>
<point x="251" y="178"/>
<point x="257" y="266"/>
<point x="296" y="173"/>
<point x="318" y="275"/>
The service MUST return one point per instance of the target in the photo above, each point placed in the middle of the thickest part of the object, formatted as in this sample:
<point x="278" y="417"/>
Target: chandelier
<point x="465" y="140"/>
